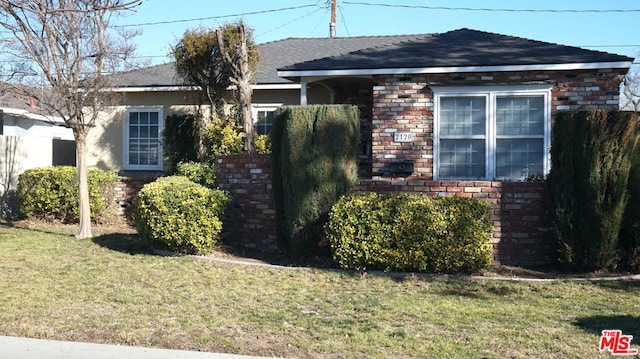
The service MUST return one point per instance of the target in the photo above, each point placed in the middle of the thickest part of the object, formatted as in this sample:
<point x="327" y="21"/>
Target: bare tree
<point x="631" y="91"/>
<point x="70" y="48"/>
<point x="214" y="60"/>
<point x="240" y="55"/>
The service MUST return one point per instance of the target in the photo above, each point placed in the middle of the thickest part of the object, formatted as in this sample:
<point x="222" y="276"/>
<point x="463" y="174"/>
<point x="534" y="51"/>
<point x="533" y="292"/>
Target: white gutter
<point x="442" y="70"/>
<point x="194" y="88"/>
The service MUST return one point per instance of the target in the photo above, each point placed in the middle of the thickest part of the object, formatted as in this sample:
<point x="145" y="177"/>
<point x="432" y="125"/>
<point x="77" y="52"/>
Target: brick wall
<point x="126" y="192"/>
<point x="250" y="219"/>
<point x="405" y="104"/>
<point x="518" y="212"/>
<point x="518" y="208"/>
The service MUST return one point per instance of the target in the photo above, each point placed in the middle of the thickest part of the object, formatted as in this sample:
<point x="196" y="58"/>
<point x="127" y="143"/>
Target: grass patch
<point x="114" y="290"/>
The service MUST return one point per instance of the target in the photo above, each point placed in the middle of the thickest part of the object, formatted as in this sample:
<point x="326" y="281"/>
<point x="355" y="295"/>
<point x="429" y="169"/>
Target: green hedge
<point x="592" y="154"/>
<point x="313" y="163"/>
<point x="52" y="192"/>
<point x="180" y="215"/>
<point x="409" y="232"/>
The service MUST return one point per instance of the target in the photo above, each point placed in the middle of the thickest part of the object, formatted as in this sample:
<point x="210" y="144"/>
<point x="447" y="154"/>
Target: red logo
<point x="616" y="343"/>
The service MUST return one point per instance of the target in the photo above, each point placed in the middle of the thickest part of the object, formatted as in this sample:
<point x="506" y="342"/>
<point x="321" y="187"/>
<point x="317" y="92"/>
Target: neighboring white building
<point x="29" y="140"/>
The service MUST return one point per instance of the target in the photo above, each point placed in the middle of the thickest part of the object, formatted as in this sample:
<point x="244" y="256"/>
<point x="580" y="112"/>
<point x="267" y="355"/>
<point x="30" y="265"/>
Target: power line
<point x="491" y="9"/>
<point x="217" y="17"/>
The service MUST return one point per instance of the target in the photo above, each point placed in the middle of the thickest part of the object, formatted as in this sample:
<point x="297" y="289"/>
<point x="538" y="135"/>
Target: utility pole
<point x="332" y="25"/>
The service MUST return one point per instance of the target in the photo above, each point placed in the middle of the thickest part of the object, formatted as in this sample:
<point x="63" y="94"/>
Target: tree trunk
<point x="245" y="92"/>
<point x="84" y="230"/>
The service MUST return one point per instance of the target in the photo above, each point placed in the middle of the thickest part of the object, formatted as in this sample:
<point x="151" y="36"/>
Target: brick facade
<point x="405" y="104"/>
<point x="250" y="219"/>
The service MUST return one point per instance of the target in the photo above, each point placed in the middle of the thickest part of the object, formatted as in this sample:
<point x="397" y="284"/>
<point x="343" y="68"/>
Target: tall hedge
<point x="314" y="162"/>
<point x="52" y="192"/>
<point x="592" y="154"/>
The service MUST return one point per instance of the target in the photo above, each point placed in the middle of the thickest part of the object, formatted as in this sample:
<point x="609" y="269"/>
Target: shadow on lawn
<point x="123" y="242"/>
<point x="596" y="324"/>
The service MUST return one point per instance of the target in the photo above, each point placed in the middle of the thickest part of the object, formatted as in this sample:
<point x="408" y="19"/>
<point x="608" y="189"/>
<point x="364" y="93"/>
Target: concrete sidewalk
<point x="23" y="348"/>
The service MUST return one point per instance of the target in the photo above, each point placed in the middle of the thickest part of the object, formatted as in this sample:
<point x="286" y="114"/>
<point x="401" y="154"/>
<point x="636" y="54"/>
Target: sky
<point x="612" y="26"/>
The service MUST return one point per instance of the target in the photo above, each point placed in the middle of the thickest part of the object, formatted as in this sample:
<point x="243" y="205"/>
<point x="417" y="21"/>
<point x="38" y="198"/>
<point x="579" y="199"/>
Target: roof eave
<point x="283" y="86"/>
<point x="440" y="70"/>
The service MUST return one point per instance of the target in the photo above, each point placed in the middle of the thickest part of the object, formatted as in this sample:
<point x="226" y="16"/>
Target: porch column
<point x="303" y="92"/>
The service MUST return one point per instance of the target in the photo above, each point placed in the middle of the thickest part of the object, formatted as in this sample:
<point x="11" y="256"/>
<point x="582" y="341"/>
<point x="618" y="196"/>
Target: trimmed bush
<point x="409" y="232"/>
<point x="313" y="163"/>
<point x="180" y="215"/>
<point x="52" y="192"/>
<point x="203" y="173"/>
<point x="592" y="154"/>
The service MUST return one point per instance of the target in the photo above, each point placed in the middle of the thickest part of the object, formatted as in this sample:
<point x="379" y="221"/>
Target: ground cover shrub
<point x="592" y="156"/>
<point x="52" y="193"/>
<point x="180" y="215"/>
<point x="314" y="162"/>
<point x="410" y="232"/>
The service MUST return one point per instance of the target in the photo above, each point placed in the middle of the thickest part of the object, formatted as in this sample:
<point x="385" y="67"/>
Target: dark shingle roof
<point x="273" y="55"/>
<point x="459" y="48"/>
<point x="456" y="48"/>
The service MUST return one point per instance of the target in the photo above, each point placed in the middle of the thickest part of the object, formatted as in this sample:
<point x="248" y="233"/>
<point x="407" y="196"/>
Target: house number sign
<point x="403" y="137"/>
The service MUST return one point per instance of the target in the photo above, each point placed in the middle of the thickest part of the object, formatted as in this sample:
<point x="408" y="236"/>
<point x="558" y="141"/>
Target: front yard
<point x="113" y="290"/>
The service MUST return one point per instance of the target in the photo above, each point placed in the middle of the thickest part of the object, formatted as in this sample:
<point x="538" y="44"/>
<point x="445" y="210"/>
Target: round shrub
<point x="406" y="232"/>
<point x="180" y="215"/>
<point x="52" y="192"/>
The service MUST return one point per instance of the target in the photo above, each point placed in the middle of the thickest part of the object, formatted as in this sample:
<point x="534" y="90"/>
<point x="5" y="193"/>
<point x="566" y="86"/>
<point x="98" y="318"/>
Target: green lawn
<point x="112" y="290"/>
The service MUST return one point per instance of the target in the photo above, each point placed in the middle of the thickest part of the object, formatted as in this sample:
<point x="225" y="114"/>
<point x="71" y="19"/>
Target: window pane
<point x="462" y="159"/>
<point x="144" y="134"/>
<point x="521" y="115"/>
<point x="462" y="116"/>
<point x="264" y="122"/>
<point x="519" y="158"/>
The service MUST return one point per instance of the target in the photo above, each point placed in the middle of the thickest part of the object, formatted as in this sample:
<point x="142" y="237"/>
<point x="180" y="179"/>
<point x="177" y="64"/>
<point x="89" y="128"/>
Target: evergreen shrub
<point x="180" y="215"/>
<point x="592" y="154"/>
<point x="52" y="193"/>
<point x="314" y="162"/>
<point x="410" y="232"/>
<point x="178" y="139"/>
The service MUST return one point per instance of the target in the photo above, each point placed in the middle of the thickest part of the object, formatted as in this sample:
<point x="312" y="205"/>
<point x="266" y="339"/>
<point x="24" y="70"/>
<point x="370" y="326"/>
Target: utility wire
<point x="490" y="9"/>
<point x="216" y="17"/>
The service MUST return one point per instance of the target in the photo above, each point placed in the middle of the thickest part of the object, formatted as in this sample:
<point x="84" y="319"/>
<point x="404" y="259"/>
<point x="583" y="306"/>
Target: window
<point x="498" y="133"/>
<point x="263" y="115"/>
<point x="142" y="142"/>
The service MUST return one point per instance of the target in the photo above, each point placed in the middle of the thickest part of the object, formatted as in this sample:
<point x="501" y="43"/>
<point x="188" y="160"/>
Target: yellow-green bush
<point x="52" y="192"/>
<point x="180" y="215"/>
<point x="203" y="173"/>
<point x="407" y="232"/>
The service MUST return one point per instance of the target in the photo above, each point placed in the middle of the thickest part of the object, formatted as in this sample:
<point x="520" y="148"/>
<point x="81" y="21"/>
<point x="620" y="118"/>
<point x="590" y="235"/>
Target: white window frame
<point x="491" y="93"/>
<point x="156" y="167"/>
<point x="258" y="107"/>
